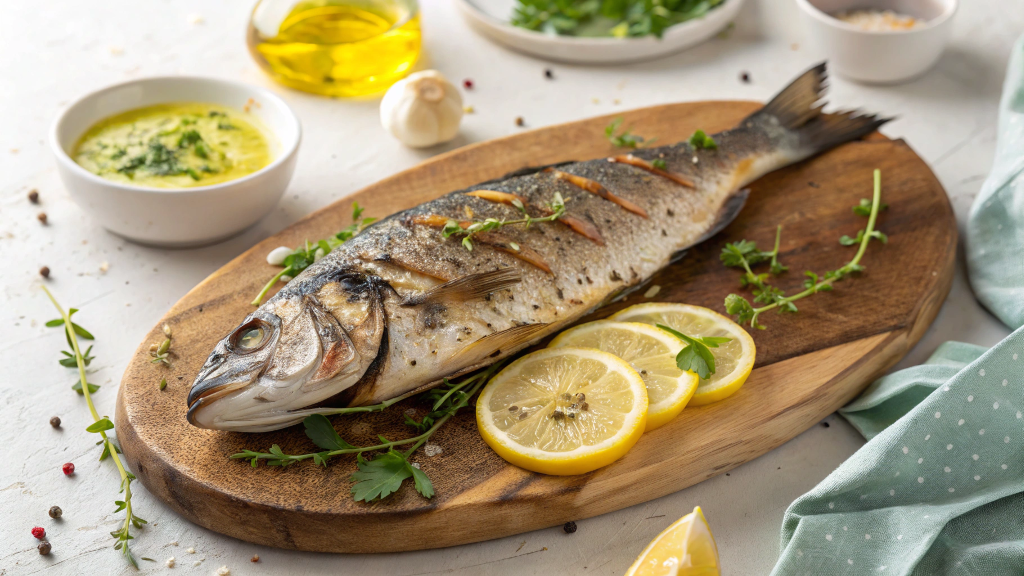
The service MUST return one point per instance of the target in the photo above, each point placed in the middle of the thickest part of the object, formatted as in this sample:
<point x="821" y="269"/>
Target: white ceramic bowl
<point x="878" y="57"/>
<point x="491" y="18"/>
<point x="178" y="217"/>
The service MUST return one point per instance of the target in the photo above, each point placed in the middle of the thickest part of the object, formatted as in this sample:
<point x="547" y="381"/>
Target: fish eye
<point x="249" y="338"/>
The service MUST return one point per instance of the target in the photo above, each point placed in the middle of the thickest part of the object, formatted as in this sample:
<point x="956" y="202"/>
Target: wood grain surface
<point x="808" y="365"/>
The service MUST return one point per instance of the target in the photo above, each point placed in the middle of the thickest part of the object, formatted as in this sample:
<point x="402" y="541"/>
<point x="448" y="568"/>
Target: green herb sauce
<point x="180" y="145"/>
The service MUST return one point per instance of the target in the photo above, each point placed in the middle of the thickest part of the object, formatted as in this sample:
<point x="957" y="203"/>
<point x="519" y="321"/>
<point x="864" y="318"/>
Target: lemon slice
<point x="650" y="351"/>
<point x="563" y="410"/>
<point x="686" y="548"/>
<point x="733" y="360"/>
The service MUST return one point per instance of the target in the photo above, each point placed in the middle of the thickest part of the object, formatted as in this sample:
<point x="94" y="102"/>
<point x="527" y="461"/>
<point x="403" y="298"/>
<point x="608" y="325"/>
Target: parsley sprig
<point x="455" y="228"/>
<point x="100" y="426"/>
<point x="308" y="253"/>
<point x="384" y="474"/>
<point x="744" y="254"/>
<point x="696" y="356"/>
<point x="625" y="138"/>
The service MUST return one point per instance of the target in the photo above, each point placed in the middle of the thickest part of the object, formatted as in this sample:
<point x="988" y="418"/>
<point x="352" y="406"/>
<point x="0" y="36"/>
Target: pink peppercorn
<point x="39" y="532"/>
<point x="68" y="469"/>
<point x="468" y="84"/>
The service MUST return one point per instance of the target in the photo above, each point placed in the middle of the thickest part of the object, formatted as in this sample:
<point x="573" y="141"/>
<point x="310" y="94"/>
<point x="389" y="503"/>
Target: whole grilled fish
<point x="400" y="307"/>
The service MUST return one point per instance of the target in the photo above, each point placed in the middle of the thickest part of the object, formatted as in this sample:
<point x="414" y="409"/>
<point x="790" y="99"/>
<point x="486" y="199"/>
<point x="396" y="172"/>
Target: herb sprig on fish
<point x="300" y="258"/>
<point x="384" y="474"/>
<point x="744" y="254"/>
<point x="467" y="230"/>
<point x="626" y="138"/>
<point x="100" y="425"/>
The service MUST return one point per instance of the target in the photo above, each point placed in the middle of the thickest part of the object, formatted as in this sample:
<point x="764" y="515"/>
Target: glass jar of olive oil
<point x="336" y="47"/>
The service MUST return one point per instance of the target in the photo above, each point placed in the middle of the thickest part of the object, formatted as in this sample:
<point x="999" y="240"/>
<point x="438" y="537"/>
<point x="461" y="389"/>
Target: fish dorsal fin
<point x="494" y="345"/>
<point x="468" y="287"/>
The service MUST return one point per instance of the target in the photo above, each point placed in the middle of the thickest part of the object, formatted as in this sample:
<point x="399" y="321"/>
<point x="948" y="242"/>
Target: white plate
<point x="491" y="18"/>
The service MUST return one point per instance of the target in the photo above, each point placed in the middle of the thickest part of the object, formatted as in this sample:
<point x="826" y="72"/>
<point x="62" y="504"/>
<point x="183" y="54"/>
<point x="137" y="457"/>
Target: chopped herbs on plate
<point x="617" y="18"/>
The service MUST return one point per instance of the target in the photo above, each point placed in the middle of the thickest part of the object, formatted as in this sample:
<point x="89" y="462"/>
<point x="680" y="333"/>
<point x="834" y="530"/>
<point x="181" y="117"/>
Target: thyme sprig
<point x="308" y="253"/>
<point x="743" y="254"/>
<point x="100" y="426"/>
<point x="161" y="352"/>
<point x="455" y="228"/>
<point x="626" y="138"/>
<point x="382" y="475"/>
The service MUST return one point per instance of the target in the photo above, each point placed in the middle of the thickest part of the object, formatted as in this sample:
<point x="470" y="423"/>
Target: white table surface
<point x="51" y="52"/>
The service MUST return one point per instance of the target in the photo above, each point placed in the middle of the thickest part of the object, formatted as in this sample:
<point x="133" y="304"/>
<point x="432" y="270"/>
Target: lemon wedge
<point x="650" y="351"/>
<point x="563" y="411"/>
<point x="733" y="360"/>
<point x="686" y="548"/>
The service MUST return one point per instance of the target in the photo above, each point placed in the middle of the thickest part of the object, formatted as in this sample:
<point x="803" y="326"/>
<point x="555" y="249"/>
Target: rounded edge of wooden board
<point x="292" y="527"/>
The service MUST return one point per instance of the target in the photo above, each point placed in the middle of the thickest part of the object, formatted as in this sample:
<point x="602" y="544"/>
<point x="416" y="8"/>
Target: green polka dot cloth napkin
<point x="939" y="487"/>
<point x="995" y="228"/>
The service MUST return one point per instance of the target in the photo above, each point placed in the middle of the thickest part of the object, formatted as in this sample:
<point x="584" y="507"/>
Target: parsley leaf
<point x="700" y="140"/>
<point x="380" y="477"/>
<point x="696" y="356"/>
<point x="864" y="208"/>
<point x="625" y="139"/>
<point x="422" y="483"/>
<point x="320" y="430"/>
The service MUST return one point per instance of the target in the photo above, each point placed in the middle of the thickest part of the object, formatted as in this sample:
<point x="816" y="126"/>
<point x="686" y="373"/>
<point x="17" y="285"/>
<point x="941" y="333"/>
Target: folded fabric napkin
<point x="995" y="229"/>
<point x="939" y="487"/>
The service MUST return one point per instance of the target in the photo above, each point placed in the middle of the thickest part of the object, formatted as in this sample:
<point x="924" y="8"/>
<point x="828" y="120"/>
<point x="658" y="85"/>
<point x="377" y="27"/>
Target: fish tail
<point x="797" y="110"/>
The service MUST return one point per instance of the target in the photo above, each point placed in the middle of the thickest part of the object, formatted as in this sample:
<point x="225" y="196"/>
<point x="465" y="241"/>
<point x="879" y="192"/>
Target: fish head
<point x="299" y="349"/>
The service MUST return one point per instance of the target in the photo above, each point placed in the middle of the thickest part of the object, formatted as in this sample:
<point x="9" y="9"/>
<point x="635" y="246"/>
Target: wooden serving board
<point x="808" y="364"/>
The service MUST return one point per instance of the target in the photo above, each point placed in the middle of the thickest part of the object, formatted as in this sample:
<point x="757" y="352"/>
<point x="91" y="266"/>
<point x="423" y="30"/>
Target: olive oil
<point x="336" y="47"/>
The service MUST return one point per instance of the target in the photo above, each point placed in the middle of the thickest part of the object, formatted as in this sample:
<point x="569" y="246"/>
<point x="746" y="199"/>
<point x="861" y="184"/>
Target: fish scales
<point x="399" y="307"/>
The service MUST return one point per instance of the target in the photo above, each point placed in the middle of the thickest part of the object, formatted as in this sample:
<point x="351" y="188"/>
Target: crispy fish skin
<point x="399" y="307"/>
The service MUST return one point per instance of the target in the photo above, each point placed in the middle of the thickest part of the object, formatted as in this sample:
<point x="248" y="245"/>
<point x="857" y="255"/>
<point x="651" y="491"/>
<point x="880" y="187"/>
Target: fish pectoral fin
<point x="494" y="344"/>
<point x="470" y="287"/>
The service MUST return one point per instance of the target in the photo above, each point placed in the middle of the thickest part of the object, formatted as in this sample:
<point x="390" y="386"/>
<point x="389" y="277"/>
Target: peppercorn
<point x="44" y="271"/>
<point x="44" y="548"/>
<point x="745" y="77"/>
<point x="55" y="421"/>
<point x="549" y="74"/>
<point x="42" y="217"/>
<point x="55" y="512"/>
<point x="39" y="532"/>
<point x="468" y="84"/>
<point x="569" y="527"/>
<point x="33" y="196"/>
<point x="520" y="121"/>
<point x="68" y="469"/>
<point x="825" y="424"/>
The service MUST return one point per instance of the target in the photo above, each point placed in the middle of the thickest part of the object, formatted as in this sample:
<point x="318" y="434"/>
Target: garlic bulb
<point x="422" y="110"/>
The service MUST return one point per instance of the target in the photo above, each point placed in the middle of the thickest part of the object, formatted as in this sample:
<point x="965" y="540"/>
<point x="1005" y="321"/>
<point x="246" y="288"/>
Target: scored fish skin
<point x="375" y="319"/>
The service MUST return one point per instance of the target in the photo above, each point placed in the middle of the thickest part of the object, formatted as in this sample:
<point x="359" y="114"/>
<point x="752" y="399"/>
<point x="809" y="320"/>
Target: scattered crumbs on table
<point x="432" y="450"/>
<point x="616" y="101"/>
<point x="15" y="150"/>
<point x="195" y="19"/>
<point x="116" y="50"/>
<point x="695" y="159"/>
<point x="468" y="109"/>
<point x="794" y="46"/>
<point x="416" y="465"/>
<point x="595" y="100"/>
<point x="104" y="266"/>
<point x="191" y="550"/>
<point x="255" y="558"/>
<point x="170" y="562"/>
<point x="652" y="291"/>
<point x="223" y="571"/>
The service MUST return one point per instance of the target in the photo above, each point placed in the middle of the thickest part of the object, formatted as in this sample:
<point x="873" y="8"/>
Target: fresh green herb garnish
<point x="696" y="356"/>
<point x="744" y="253"/>
<point x="384" y="474"/>
<point x="625" y="139"/>
<point x="618" y="18"/>
<point x="454" y="228"/>
<point x="863" y="208"/>
<point x="700" y="140"/>
<point x="658" y="163"/>
<point x="100" y="425"/>
<point x="304" y="255"/>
